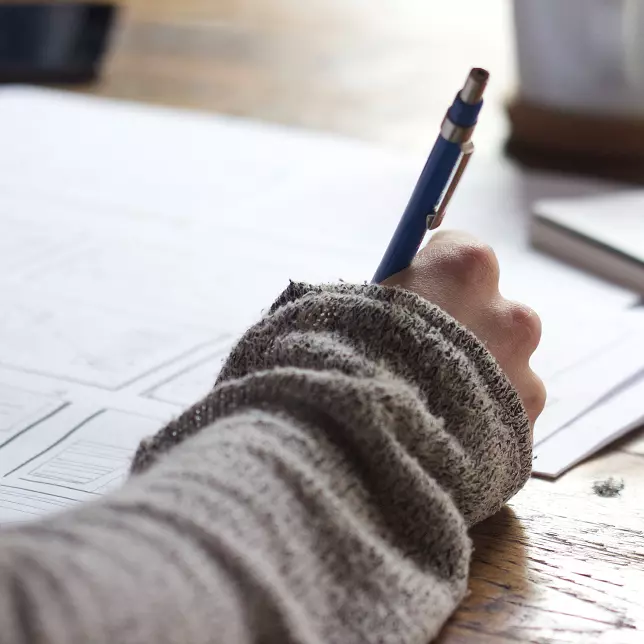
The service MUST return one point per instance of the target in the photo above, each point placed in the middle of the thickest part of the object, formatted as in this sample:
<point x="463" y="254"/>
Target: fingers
<point x="533" y="394"/>
<point x="461" y="275"/>
<point x="451" y="236"/>
<point x="463" y="259"/>
<point x="518" y="329"/>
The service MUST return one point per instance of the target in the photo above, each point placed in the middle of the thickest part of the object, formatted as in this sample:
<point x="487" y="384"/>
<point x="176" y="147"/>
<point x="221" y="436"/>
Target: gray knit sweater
<point x="321" y="493"/>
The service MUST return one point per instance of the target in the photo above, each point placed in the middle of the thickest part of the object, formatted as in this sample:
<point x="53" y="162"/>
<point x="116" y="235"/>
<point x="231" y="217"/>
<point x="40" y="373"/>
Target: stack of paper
<point x="604" y="234"/>
<point x="596" y="399"/>
<point x="136" y="244"/>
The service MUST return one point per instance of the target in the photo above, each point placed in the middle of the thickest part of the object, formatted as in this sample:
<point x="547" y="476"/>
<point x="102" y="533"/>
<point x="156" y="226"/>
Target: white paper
<point x="19" y="409"/>
<point x="134" y="253"/>
<point x="92" y="458"/>
<point x="591" y="432"/>
<point x="610" y="359"/>
<point x="193" y="383"/>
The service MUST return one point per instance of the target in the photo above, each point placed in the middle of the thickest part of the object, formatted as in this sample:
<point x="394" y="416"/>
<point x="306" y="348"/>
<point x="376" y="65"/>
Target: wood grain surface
<point x="559" y="564"/>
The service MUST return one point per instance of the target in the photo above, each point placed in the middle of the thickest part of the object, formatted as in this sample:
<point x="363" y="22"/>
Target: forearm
<point x="324" y="496"/>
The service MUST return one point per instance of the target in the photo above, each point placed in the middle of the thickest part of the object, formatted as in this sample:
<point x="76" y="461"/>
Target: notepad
<point x="602" y="234"/>
<point x="134" y="253"/>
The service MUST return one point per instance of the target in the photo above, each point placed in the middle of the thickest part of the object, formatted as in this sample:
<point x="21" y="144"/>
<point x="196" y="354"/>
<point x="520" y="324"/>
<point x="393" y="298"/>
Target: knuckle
<point x="474" y="261"/>
<point x="526" y="325"/>
<point x="535" y="400"/>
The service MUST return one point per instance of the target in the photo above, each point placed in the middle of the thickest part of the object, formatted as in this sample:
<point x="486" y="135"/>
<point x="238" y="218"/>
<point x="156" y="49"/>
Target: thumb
<point x="452" y="237"/>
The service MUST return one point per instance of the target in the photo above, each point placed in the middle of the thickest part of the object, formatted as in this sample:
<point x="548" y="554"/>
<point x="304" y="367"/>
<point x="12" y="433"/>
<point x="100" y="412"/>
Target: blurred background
<point x="380" y="70"/>
<point x="567" y="88"/>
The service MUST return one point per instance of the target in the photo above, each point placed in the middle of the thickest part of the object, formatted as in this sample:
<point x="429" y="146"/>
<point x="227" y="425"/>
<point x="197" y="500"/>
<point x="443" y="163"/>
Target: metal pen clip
<point x="435" y="218"/>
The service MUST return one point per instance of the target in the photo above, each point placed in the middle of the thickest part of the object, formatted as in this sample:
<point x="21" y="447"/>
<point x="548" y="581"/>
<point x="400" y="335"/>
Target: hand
<point x="461" y="275"/>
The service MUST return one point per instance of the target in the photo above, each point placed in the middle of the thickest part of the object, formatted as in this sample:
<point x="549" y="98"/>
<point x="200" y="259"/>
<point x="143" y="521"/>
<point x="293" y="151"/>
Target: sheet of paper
<point x="578" y="440"/>
<point x="135" y="253"/>
<point x="90" y="459"/>
<point x="192" y="384"/>
<point x="610" y="360"/>
<point x="19" y="409"/>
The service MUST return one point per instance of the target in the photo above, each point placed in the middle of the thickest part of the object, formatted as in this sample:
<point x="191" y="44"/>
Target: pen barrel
<point x="412" y="227"/>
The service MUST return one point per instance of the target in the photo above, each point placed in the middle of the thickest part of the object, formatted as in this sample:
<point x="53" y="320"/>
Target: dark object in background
<point x="606" y="147"/>
<point x="53" y="42"/>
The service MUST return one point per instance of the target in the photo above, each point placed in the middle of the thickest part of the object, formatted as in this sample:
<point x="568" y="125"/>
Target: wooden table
<point x="559" y="564"/>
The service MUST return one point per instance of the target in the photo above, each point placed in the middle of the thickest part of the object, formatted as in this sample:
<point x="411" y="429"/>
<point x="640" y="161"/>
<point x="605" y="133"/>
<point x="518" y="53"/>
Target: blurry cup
<point x="581" y="55"/>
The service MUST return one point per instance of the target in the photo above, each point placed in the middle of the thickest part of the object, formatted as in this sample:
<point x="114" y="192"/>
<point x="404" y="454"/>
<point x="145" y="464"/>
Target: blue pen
<point x="439" y="178"/>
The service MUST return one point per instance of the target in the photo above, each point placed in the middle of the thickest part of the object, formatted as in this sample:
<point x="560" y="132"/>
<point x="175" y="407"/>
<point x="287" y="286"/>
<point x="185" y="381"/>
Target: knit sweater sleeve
<point x="320" y="493"/>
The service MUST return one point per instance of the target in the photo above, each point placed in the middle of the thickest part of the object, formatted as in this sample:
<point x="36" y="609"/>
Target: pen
<point x="439" y="178"/>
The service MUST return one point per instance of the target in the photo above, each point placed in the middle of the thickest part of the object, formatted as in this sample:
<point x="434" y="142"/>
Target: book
<point x="601" y="234"/>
